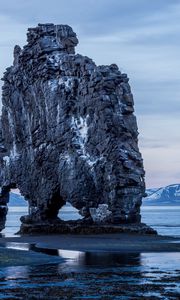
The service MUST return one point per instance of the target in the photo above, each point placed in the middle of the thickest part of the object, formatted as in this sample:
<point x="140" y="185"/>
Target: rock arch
<point x="68" y="132"/>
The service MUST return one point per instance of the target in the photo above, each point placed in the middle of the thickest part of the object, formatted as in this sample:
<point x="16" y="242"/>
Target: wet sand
<point x="95" y="275"/>
<point x="14" y="257"/>
<point x="101" y="242"/>
<point x="108" y="284"/>
<point x="109" y="267"/>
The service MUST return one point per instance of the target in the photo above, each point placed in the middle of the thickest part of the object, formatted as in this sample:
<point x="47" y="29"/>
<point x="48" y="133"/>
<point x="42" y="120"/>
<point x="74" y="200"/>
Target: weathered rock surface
<point x="69" y="132"/>
<point x="78" y="227"/>
<point x="4" y="191"/>
<point x="4" y="199"/>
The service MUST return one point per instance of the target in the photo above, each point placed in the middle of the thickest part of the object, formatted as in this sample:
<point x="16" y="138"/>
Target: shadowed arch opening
<point x="57" y="207"/>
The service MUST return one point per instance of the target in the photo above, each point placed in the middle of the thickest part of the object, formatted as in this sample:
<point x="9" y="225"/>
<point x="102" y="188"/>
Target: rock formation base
<point x="80" y="227"/>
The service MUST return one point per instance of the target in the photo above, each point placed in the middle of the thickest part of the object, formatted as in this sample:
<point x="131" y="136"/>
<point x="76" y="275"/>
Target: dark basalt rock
<point x="4" y="199"/>
<point x="69" y="132"/>
<point x="72" y="227"/>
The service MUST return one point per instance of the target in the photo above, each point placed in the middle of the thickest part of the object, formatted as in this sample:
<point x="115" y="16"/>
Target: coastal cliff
<point x="68" y="134"/>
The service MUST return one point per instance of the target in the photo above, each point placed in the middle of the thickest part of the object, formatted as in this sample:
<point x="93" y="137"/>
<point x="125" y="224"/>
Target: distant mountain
<point x="169" y="195"/>
<point x="151" y="191"/>
<point x="17" y="200"/>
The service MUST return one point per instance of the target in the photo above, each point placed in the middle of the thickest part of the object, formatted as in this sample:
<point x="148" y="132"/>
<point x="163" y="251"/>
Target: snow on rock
<point x="81" y="129"/>
<point x="6" y="159"/>
<point x="100" y="214"/>
<point x="53" y="84"/>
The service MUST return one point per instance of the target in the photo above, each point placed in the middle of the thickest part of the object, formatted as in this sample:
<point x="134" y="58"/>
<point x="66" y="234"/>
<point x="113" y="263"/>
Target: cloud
<point x="161" y="166"/>
<point x="159" y="142"/>
<point x="94" y="17"/>
<point x="160" y="128"/>
<point x="151" y="143"/>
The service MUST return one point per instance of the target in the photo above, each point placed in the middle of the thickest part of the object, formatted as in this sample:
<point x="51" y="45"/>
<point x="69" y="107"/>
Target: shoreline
<point x="107" y="259"/>
<point x="117" y="242"/>
<point x="15" y="258"/>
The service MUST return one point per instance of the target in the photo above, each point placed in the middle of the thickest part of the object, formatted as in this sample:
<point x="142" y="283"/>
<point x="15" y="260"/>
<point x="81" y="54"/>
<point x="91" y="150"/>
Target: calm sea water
<point x="165" y="219"/>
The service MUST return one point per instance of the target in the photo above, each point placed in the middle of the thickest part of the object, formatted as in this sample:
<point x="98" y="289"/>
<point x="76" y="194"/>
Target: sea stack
<point x="69" y="134"/>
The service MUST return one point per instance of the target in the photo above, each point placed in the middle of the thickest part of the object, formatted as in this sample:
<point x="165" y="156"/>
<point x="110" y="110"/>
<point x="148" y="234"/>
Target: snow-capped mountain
<point x="169" y="195"/>
<point x="151" y="191"/>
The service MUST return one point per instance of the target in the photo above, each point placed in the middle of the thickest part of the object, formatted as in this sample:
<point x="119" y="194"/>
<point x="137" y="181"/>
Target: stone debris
<point x="100" y="214"/>
<point x="68" y="132"/>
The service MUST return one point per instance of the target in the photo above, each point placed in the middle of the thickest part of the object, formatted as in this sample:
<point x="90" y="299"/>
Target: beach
<point x="101" y="242"/>
<point x="111" y="266"/>
<point x="94" y="266"/>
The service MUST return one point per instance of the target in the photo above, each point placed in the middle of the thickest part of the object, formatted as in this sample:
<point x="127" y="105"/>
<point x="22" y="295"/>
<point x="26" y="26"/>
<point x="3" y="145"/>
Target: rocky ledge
<point x="69" y="134"/>
<point x="73" y="227"/>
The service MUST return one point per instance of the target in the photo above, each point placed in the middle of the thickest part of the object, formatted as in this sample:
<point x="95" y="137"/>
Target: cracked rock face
<point x="68" y="132"/>
<point x="4" y="199"/>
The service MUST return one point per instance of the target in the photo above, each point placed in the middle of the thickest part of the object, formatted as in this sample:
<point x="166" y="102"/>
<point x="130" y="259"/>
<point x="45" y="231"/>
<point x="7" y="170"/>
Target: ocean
<point x="165" y="219"/>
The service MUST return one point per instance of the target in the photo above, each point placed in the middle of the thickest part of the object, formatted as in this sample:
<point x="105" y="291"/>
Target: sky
<point x="143" y="38"/>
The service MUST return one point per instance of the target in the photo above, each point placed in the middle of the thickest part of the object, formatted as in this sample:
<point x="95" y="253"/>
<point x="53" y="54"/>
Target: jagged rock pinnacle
<point x="69" y="133"/>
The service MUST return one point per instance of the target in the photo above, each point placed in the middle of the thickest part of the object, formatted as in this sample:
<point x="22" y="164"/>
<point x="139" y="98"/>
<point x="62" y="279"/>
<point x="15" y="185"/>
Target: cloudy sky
<point x="143" y="38"/>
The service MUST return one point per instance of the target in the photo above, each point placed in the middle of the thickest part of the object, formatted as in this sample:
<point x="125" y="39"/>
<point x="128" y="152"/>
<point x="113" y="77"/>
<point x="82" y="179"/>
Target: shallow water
<point x="98" y="275"/>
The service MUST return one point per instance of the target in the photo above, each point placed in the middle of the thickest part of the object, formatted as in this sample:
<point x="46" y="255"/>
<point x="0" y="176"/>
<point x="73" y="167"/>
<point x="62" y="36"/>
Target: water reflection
<point x="53" y="252"/>
<point x="87" y="259"/>
<point x="72" y="257"/>
<point x="76" y="261"/>
<point x="166" y="260"/>
<point x="18" y="246"/>
<point x="102" y="259"/>
<point x="129" y="274"/>
<point x="16" y="273"/>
